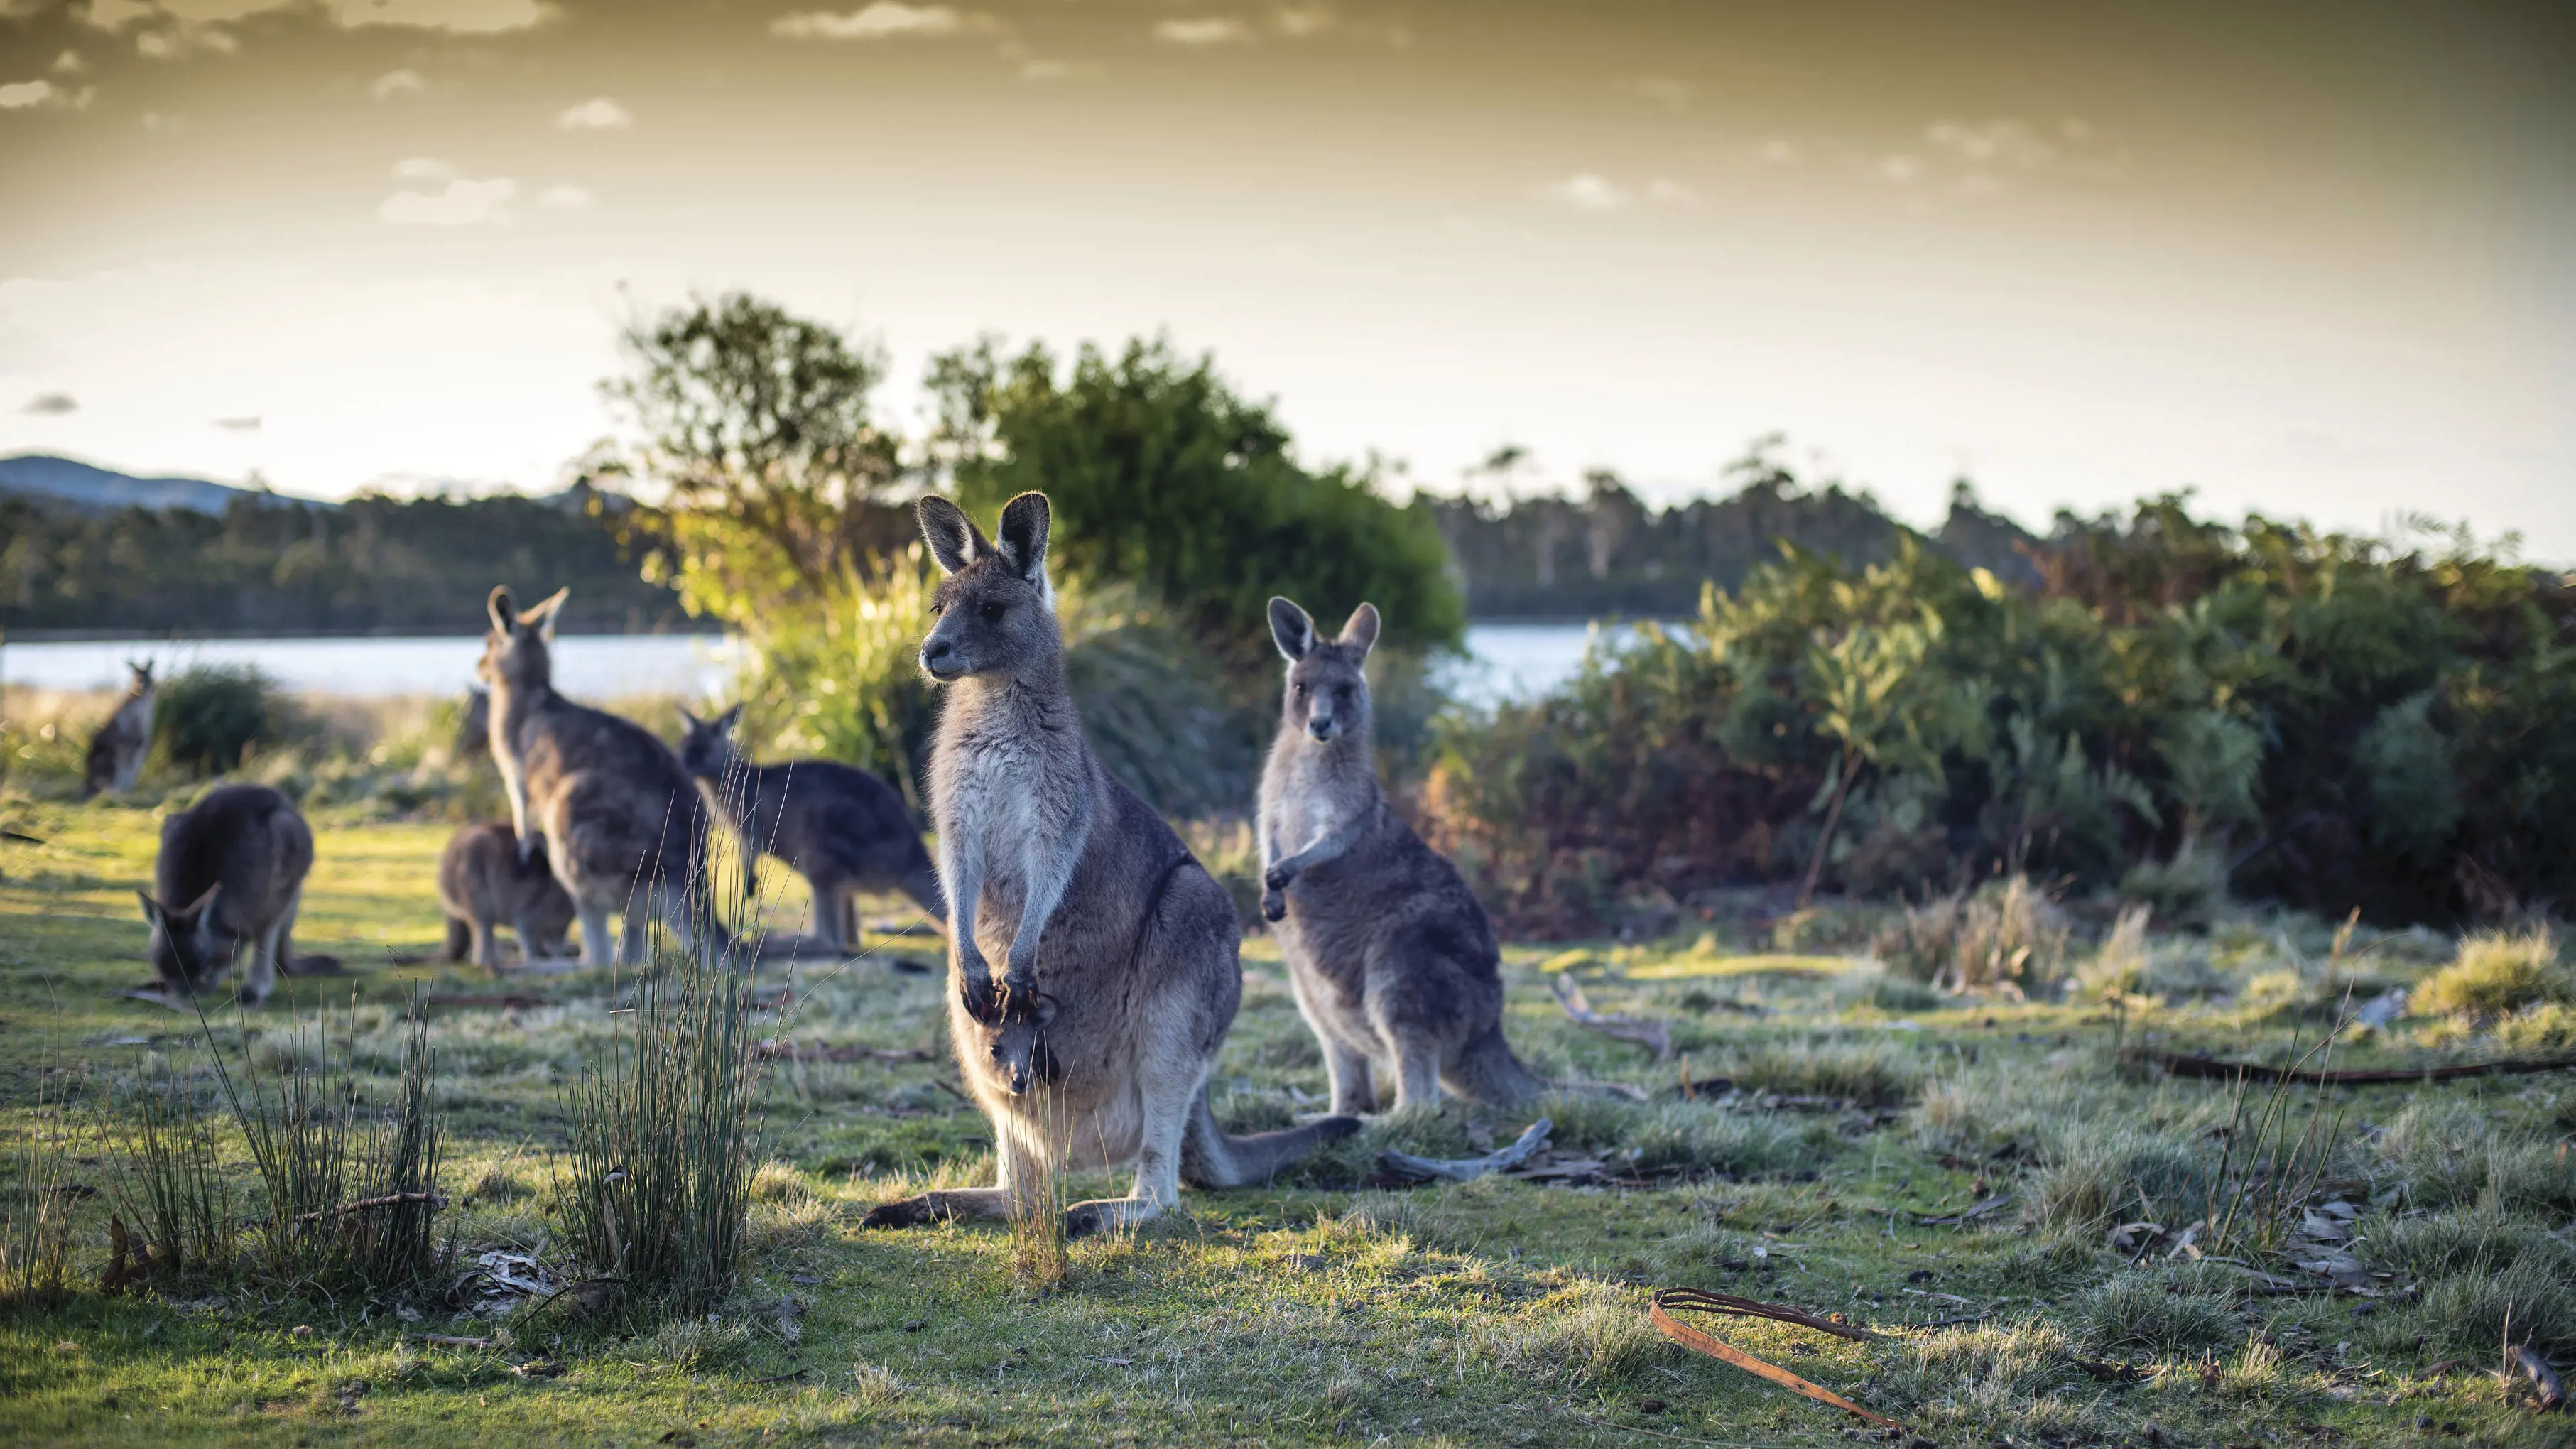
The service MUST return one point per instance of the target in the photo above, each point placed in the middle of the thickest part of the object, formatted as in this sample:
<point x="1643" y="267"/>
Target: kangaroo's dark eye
<point x="992" y="613"/>
<point x="1298" y="689"/>
<point x="937" y="608"/>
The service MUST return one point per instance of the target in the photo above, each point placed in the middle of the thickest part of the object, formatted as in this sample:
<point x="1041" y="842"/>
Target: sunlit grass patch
<point x="1693" y="966"/>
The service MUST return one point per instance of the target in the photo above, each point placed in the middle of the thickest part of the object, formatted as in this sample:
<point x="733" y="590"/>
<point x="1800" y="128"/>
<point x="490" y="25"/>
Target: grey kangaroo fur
<point x="230" y="874"/>
<point x="116" y="752"/>
<point x="484" y="885"/>
<point x="1121" y="971"/>
<point x="1393" y="959"/>
<point x="624" y="828"/>
<point x="844" y="830"/>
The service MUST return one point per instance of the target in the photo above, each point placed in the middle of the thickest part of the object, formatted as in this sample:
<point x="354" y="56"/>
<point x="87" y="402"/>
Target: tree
<point x="1161" y="474"/>
<point x="756" y="425"/>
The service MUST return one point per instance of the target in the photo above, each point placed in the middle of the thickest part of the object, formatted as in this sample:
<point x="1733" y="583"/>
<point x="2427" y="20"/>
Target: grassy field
<point x="1326" y="1311"/>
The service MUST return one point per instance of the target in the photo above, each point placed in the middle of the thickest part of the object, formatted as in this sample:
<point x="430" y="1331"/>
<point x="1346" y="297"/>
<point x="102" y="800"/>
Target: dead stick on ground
<point x="1654" y="1036"/>
<point x="2211" y="1069"/>
<point x="1726" y="1305"/>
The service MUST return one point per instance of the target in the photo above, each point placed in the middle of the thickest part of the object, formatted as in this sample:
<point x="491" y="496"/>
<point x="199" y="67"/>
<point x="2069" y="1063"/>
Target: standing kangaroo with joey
<point x="844" y="830"/>
<point x="623" y="825"/>
<point x="1393" y="959"/>
<point x="1120" y="954"/>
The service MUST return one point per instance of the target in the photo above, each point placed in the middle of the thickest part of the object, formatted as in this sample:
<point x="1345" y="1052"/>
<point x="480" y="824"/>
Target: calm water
<point x="1506" y="661"/>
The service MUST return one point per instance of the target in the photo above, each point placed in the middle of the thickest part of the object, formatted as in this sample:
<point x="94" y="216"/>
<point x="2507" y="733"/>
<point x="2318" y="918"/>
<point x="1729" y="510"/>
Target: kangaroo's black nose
<point x="935" y="657"/>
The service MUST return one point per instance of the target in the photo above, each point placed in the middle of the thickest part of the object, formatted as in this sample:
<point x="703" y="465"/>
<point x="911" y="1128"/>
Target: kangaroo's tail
<point x="1210" y="1158"/>
<point x="1486" y="1071"/>
<point x="460" y="939"/>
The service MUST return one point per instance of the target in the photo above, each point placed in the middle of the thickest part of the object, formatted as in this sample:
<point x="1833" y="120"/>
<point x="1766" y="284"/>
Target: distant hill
<point x="70" y="482"/>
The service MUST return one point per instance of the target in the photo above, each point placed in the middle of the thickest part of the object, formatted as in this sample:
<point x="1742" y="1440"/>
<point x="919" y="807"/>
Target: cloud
<point x="1299" y="22"/>
<point x="470" y="17"/>
<point x="182" y="40"/>
<point x="2005" y="145"/>
<point x="115" y="14"/>
<point x="883" y="20"/>
<point x="51" y="404"/>
<point x="1206" y="31"/>
<point x="398" y="83"/>
<point x="166" y="124"/>
<point x="27" y="95"/>
<point x="69" y="63"/>
<point x="423" y="168"/>
<point x="238" y="425"/>
<point x="1668" y="192"/>
<point x="599" y="113"/>
<point x="1663" y="90"/>
<point x="1588" y="191"/>
<point x="464" y="203"/>
<point x="563" y="198"/>
<point x="1044" y="70"/>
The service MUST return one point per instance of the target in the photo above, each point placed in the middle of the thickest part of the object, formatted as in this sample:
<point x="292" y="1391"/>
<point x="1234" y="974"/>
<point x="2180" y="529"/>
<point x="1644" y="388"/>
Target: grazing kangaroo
<point x="1393" y="960"/>
<point x="623" y="825"/>
<point x="844" y="830"/>
<point x="1121" y="975"/>
<point x="483" y="885"/>
<point x="116" y="752"/>
<point x="237" y="858"/>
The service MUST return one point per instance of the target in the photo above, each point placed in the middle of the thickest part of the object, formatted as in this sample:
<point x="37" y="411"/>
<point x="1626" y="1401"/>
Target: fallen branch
<point x="450" y="1340"/>
<point x="1690" y="1300"/>
<point x="391" y="1199"/>
<point x="1409" y="1168"/>
<point x="1654" y="1036"/>
<point x="2212" y="1069"/>
<point x="1960" y="1219"/>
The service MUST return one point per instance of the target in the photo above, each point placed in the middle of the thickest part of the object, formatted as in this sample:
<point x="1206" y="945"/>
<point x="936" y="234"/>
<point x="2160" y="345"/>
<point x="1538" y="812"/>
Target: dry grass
<point x="2496" y="974"/>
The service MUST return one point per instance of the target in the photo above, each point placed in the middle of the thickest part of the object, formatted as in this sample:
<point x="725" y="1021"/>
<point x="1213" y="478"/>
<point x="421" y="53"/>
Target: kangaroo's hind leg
<point x="1017" y="1164"/>
<point x="1170" y="1076"/>
<point x="831" y="911"/>
<point x="1347" y="1068"/>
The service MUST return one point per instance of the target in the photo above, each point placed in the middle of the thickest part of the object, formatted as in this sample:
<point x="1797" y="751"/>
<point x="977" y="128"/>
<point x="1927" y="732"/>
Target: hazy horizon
<point x="2317" y="262"/>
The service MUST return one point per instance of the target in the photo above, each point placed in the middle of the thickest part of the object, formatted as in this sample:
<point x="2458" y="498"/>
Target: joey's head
<point x="184" y="946"/>
<point x="996" y="610"/>
<point x="1328" y="693"/>
<point x="707" y="750"/>
<point x="518" y="648"/>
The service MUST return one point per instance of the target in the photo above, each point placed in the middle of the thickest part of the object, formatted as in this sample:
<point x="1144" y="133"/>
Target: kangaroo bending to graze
<point x="624" y="828"/>
<point x="844" y="830"/>
<point x="116" y="752"/>
<point x="483" y="884"/>
<point x="230" y="874"/>
<point x="1121" y="971"/>
<point x="1393" y="960"/>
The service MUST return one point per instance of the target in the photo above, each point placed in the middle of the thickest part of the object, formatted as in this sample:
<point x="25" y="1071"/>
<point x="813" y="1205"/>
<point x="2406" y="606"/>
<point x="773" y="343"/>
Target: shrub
<point x="2496" y="974"/>
<point x="1872" y="1071"/>
<point x="2155" y="1313"/>
<point x="208" y="718"/>
<point x="2004" y="935"/>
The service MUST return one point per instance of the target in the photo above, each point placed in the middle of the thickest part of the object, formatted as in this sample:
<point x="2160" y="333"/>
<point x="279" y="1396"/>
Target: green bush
<point x="208" y="718"/>
<point x="2496" y="974"/>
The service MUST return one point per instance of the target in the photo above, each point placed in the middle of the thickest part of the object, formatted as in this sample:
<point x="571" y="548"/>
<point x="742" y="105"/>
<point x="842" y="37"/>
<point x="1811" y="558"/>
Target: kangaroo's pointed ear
<point x="500" y="607"/>
<point x="954" y="539"/>
<point x="1290" y="629"/>
<point x="151" y="908"/>
<point x="1023" y="540"/>
<point x="197" y="908"/>
<point x="1361" y="632"/>
<point x="723" y="724"/>
<point x="690" y="722"/>
<point x="542" y="616"/>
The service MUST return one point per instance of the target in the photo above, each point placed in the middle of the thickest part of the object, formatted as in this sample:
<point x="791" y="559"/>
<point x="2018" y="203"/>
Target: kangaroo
<point x="1393" y="960"/>
<point x="238" y="859"/>
<point x="483" y="884"/>
<point x="844" y="830"/>
<point x="1121" y="971"/>
<point x="623" y="825"/>
<point x="116" y="752"/>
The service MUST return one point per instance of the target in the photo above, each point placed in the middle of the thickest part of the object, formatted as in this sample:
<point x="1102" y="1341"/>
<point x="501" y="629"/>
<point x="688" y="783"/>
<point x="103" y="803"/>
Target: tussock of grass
<point x="2451" y="1155"/>
<point x="2464" y="1314"/>
<point x="2005" y="935"/>
<point x="2496" y="974"/>
<point x="701" y="1343"/>
<point x="2092" y="1174"/>
<point x="2165" y="1314"/>
<point x="165" y="1179"/>
<point x="1872" y="1071"/>
<point x="35" y="1217"/>
<point x="1982" y="1378"/>
<point x="1590" y="1334"/>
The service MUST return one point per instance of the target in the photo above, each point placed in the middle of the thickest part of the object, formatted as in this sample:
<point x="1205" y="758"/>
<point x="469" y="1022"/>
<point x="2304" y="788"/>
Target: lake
<point x="1505" y="661"/>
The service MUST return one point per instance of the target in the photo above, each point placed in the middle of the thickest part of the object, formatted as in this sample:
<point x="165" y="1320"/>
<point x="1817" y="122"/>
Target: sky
<point x="2317" y="260"/>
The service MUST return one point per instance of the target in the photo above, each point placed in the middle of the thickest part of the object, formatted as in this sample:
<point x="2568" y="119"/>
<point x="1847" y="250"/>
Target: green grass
<point x="1318" y="1310"/>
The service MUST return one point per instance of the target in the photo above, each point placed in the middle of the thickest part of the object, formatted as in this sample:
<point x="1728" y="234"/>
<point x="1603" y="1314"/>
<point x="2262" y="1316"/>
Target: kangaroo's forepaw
<point x="981" y="1000"/>
<point x="1084" y="1219"/>
<point x="1274" y="906"/>
<point x="1276" y="878"/>
<point x="910" y="1212"/>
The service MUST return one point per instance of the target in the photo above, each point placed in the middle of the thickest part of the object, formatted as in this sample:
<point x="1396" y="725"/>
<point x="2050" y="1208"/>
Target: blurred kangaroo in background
<point x="844" y="830"/>
<point x="230" y="874"/>
<point x="116" y="752"/>
<point x="1393" y="959"/>
<point x="483" y="885"/>
<point x="1120" y="952"/>
<point x="624" y="827"/>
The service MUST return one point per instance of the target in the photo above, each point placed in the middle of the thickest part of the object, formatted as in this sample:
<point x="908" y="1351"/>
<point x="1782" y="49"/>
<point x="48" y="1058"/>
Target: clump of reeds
<point x="2006" y="936"/>
<point x="1038" y="1261"/>
<point x="171" y="1204"/>
<point x="35" y="1216"/>
<point x="656" y="1195"/>
<point x="351" y="1193"/>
